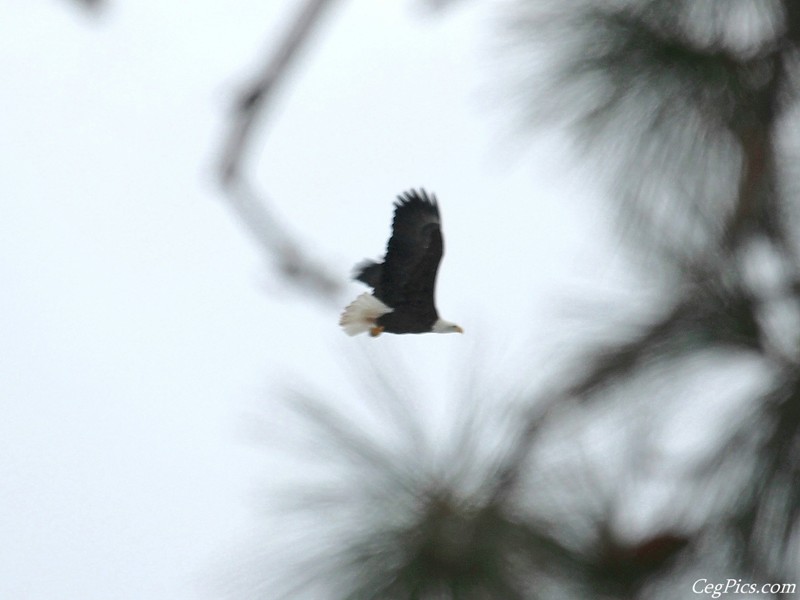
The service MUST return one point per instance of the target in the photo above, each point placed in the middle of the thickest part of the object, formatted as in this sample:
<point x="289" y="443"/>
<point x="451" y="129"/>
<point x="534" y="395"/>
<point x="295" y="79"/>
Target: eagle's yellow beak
<point x="459" y="330"/>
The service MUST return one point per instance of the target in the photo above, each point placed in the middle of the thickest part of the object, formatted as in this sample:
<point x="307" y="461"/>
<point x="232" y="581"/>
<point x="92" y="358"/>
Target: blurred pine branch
<point x="690" y="110"/>
<point x="686" y="106"/>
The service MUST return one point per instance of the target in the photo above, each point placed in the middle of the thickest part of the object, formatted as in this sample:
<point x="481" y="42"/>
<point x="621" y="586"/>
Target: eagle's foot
<point x="375" y="331"/>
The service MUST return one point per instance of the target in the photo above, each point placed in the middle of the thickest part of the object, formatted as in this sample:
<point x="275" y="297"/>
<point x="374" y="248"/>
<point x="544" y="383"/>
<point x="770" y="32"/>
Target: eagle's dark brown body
<point x="405" y="281"/>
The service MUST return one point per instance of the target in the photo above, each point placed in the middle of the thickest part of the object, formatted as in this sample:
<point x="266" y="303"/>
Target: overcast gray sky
<point x="140" y="326"/>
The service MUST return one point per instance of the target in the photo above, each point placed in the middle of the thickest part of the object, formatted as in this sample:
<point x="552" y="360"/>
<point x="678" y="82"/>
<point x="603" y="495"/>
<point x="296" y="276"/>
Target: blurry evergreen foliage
<point x="690" y="109"/>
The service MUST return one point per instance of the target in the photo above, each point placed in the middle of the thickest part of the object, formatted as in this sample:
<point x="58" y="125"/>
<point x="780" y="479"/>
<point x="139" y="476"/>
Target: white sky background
<point x="140" y="326"/>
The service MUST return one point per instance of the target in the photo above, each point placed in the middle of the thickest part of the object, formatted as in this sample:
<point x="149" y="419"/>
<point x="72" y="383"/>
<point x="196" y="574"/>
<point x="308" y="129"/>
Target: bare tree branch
<point x="91" y="5"/>
<point x="253" y="100"/>
<point x="292" y="261"/>
<point x="251" y="207"/>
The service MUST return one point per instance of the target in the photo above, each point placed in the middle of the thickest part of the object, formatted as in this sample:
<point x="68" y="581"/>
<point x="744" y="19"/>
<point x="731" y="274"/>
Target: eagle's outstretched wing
<point x="408" y="274"/>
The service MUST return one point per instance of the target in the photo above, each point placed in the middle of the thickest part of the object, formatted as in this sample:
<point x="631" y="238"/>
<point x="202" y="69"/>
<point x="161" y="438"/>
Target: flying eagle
<point x="403" y="284"/>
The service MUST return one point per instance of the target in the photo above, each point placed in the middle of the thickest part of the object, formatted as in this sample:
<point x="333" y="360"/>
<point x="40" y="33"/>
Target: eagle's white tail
<point x="361" y="314"/>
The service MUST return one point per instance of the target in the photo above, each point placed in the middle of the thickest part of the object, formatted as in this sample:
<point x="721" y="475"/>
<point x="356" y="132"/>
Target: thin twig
<point x="253" y="101"/>
<point x="252" y="207"/>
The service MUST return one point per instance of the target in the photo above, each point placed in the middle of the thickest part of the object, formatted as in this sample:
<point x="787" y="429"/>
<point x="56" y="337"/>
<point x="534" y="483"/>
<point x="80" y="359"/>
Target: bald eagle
<point x="403" y="284"/>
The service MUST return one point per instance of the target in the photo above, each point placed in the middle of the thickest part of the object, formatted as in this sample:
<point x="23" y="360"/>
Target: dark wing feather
<point x="369" y="272"/>
<point x="408" y="274"/>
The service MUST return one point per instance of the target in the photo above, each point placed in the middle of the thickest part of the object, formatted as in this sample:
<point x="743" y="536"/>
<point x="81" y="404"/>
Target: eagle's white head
<point x="442" y="326"/>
